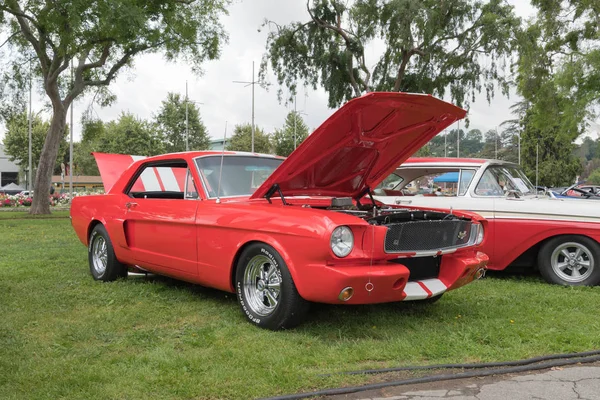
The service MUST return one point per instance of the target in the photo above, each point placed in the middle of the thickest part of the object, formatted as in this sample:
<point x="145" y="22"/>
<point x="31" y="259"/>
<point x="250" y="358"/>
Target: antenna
<point x="221" y="169"/>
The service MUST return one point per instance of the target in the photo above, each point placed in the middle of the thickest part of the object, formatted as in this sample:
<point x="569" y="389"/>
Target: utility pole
<point x="187" y="144"/>
<point x="253" y="82"/>
<point x="496" y="144"/>
<point x="29" y="178"/>
<point x="187" y="120"/>
<point x="71" y="143"/>
<point x="519" y="148"/>
<point x="458" y="141"/>
<point x="296" y="113"/>
<point x="445" y="145"/>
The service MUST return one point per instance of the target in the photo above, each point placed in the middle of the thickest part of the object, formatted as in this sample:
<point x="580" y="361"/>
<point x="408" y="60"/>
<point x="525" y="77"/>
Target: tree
<point x="171" y="123"/>
<point x="16" y="140"/>
<point x="431" y="46"/>
<point x="127" y="135"/>
<point x="241" y="140"/>
<point x="594" y="177"/>
<point x="100" y="38"/>
<point x="294" y="131"/>
<point x="559" y="77"/>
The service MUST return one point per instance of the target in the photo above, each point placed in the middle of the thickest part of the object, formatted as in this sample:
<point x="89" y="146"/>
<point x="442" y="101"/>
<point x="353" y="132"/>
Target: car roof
<point x="203" y="153"/>
<point x="451" y="162"/>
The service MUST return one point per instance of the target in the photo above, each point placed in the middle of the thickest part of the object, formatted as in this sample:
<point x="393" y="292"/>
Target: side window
<point x="434" y="184"/>
<point x="488" y="185"/>
<point x="164" y="180"/>
<point x="466" y="176"/>
<point x="191" y="192"/>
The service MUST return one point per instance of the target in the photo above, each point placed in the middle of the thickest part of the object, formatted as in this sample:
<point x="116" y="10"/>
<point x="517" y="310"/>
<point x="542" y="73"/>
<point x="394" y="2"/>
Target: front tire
<point x="570" y="260"/>
<point x="266" y="291"/>
<point x="104" y="265"/>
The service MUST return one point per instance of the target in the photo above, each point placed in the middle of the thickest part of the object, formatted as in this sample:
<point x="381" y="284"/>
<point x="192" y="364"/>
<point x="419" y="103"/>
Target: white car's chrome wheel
<point x="572" y="262"/>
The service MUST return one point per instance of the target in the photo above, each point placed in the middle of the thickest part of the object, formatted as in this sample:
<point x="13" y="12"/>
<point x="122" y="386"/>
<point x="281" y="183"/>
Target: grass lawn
<point x="63" y="335"/>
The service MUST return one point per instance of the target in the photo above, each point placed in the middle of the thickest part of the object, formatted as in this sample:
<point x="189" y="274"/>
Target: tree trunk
<point x="43" y="177"/>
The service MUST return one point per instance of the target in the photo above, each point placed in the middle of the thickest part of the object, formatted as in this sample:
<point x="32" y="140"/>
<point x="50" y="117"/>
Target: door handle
<point x="129" y="205"/>
<point x="398" y="201"/>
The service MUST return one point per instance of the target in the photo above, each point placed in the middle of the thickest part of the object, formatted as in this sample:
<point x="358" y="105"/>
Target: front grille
<point x="427" y="235"/>
<point x="420" y="267"/>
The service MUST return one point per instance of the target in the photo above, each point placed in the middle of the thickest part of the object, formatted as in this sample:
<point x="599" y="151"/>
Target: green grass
<point x="10" y="214"/>
<point x="63" y="335"/>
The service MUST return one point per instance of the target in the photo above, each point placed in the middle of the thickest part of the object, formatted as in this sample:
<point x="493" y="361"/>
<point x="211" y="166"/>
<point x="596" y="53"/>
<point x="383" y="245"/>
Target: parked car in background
<point x="558" y="236"/>
<point x="283" y="233"/>
<point x="577" y="191"/>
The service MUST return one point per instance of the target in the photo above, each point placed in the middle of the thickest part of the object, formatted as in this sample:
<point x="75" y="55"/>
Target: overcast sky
<point x="141" y="89"/>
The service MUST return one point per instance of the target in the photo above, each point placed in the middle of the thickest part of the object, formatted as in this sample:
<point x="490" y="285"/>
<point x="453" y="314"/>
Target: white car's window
<point x="499" y="180"/>
<point x="466" y="176"/>
<point x="241" y="176"/>
<point x="434" y="184"/>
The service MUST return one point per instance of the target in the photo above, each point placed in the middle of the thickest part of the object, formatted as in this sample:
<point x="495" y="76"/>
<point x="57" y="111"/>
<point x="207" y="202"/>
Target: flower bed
<point x="56" y="199"/>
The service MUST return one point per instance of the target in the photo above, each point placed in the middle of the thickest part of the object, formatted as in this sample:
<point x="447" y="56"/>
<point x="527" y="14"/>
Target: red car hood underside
<point x="361" y="144"/>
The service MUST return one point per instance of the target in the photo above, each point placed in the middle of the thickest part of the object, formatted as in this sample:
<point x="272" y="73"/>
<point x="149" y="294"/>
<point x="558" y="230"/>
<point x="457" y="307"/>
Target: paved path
<point x="577" y="383"/>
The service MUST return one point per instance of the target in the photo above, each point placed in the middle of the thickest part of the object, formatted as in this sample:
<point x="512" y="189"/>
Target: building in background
<point x="216" y="144"/>
<point x="81" y="183"/>
<point x="9" y="171"/>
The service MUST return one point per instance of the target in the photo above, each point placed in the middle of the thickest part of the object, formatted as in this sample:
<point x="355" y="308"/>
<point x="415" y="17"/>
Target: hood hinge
<point x="271" y="192"/>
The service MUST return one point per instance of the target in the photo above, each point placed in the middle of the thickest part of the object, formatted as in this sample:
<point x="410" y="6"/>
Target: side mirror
<point x="513" y="194"/>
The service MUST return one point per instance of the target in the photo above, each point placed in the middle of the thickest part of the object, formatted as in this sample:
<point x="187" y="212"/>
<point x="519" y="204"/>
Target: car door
<point x="160" y="216"/>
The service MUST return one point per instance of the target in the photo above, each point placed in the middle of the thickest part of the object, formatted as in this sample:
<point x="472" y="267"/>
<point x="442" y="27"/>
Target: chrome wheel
<point x="572" y="262"/>
<point x="99" y="255"/>
<point x="262" y="285"/>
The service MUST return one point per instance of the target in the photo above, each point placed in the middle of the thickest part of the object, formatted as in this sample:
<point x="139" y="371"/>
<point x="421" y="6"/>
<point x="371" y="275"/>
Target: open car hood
<point x="361" y="144"/>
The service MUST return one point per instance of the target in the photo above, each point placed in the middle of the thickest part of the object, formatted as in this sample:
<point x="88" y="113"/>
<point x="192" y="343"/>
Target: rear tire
<point x="570" y="260"/>
<point x="104" y="265"/>
<point x="266" y="291"/>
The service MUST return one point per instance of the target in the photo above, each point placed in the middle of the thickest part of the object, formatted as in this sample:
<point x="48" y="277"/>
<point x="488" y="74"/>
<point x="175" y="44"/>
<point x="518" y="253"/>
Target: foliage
<point x="594" y="177"/>
<point x="171" y="123"/>
<point x="460" y="46"/>
<point x="16" y="140"/>
<point x="293" y="132"/>
<point x="100" y="38"/>
<point x="241" y="140"/>
<point x="127" y="135"/>
<point x="559" y="77"/>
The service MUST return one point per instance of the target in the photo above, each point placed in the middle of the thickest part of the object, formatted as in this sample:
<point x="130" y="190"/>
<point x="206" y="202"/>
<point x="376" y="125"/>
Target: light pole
<point x="496" y="144"/>
<point x="252" y="82"/>
<point x="296" y="113"/>
<point x="458" y="141"/>
<point x="187" y="100"/>
<point x="29" y="181"/>
<point x="71" y="128"/>
<point x="445" y="144"/>
<point x="519" y="148"/>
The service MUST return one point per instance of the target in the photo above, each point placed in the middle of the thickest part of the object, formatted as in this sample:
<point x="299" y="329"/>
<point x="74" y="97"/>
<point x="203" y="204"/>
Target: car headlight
<point x="342" y="241"/>
<point x="480" y="234"/>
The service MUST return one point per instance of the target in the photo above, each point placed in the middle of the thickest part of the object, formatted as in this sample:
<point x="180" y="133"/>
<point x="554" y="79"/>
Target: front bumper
<point x="385" y="282"/>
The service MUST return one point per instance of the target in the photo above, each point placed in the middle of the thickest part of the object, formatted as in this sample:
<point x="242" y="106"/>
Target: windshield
<point x="498" y="180"/>
<point x="242" y="175"/>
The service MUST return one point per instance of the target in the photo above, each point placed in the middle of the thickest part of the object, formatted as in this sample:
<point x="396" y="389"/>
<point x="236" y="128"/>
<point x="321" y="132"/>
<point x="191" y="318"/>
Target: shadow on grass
<point x="191" y="288"/>
<point x="323" y="320"/>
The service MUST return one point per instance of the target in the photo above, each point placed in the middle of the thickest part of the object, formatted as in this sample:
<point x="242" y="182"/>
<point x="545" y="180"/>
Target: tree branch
<point x="347" y="40"/>
<point x="9" y="39"/>
<point x="22" y="19"/>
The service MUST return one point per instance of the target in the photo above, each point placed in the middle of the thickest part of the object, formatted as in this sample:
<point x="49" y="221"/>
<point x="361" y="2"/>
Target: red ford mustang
<point x="283" y="233"/>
